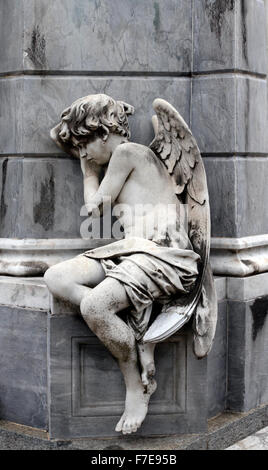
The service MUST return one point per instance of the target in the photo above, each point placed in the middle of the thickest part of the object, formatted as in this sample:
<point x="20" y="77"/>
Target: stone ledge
<point x="239" y="256"/>
<point x="32" y="293"/>
<point x="223" y="431"/>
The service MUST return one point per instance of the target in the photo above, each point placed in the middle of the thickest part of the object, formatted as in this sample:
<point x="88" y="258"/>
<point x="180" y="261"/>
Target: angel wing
<point x="175" y="145"/>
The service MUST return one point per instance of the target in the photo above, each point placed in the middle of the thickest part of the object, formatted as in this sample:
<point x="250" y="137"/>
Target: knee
<point x="56" y="281"/>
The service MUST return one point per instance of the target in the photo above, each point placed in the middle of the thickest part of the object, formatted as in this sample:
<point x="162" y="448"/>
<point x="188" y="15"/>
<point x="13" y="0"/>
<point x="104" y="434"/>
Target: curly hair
<point x="94" y="115"/>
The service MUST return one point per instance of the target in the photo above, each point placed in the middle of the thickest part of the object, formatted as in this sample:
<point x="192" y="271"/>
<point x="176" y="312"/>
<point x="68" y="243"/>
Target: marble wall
<point x="200" y="55"/>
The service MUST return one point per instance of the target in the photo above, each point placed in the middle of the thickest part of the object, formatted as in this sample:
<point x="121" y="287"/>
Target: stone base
<point x="223" y="431"/>
<point x="58" y="376"/>
<point x="44" y="341"/>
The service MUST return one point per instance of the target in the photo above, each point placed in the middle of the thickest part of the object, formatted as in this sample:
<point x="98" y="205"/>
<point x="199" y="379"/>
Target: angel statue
<point x="158" y="278"/>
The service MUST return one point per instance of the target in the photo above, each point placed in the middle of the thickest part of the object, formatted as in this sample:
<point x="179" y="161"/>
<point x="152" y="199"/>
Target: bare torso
<point x="147" y="205"/>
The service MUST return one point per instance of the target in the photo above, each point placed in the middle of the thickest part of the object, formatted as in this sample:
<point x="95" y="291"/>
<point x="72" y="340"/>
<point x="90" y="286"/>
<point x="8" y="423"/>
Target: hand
<point x="93" y="209"/>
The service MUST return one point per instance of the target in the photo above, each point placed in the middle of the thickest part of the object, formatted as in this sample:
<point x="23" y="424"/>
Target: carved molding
<point x="237" y="257"/>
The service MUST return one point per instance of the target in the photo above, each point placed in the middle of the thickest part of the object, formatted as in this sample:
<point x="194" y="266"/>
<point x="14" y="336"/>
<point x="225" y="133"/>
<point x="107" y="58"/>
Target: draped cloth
<point x="149" y="272"/>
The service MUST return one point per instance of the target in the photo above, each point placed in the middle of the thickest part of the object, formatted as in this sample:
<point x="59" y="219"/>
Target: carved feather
<point x="176" y="147"/>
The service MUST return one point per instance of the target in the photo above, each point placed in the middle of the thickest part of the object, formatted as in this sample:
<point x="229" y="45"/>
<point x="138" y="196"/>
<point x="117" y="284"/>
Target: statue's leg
<point x="71" y="280"/>
<point x="99" y="310"/>
<point x="146" y="356"/>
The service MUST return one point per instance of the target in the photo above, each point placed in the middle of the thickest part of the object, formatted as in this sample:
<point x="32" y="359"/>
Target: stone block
<point x="71" y="35"/>
<point x="217" y="365"/>
<point x="229" y="114"/>
<point x="23" y="363"/>
<point x="221" y="179"/>
<point x="44" y="98"/>
<point x="227" y="35"/>
<point x="11" y="35"/>
<point x="247" y="288"/>
<point x="247" y="350"/>
<point x="237" y="189"/>
<point x="214" y="35"/>
<point x="87" y="390"/>
<point x="41" y="198"/>
<point x="251" y="36"/>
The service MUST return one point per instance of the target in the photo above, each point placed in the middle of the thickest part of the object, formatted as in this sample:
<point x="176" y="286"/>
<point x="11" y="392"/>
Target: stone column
<point x="229" y="120"/>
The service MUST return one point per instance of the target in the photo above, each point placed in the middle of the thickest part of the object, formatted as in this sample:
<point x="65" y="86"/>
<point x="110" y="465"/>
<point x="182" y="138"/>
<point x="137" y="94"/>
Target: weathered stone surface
<point x="247" y="354"/>
<point x="45" y="98"/>
<point x="28" y="293"/>
<point x="95" y="408"/>
<point x="97" y="36"/>
<point x="251" y="115"/>
<point x="11" y="117"/>
<point x="11" y="35"/>
<point x="214" y="35"/>
<point x="251" y="38"/>
<point x="239" y="256"/>
<point x="217" y="365"/>
<point x="221" y="178"/>
<point x="238" y="191"/>
<point x="214" y="113"/>
<point x="227" y="35"/>
<point x="23" y="363"/>
<point x="41" y="198"/>
<point x="229" y="114"/>
<point x="247" y="288"/>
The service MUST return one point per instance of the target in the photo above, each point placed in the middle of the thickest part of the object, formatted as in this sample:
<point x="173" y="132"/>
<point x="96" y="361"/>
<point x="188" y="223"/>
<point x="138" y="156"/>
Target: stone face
<point x="213" y="113"/>
<point x="247" y="357"/>
<point x="41" y="198"/>
<point x="77" y="355"/>
<point x="101" y="36"/>
<point x="221" y="178"/>
<point x="214" y="35"/>
<point x="251" y="27"/>
<point x="229" y="114"/>
<point x="248" y="288"/>
<point x="23" y="362"/>
<point x="45" y="98"/>
<point x="237" y="189"/>
<point x="11" y="35"/>
<point x="227" y="35"/>
<point x="217" y="365"/>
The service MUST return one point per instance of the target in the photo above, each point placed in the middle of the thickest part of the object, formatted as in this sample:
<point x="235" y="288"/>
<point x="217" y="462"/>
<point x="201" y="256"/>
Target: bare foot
<point x="146" y="356"/>
<point x="136" y="408"/>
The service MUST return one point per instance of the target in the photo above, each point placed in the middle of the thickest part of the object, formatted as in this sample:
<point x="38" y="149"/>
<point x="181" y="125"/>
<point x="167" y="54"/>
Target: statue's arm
<point x="91" y="173"/>
<point x="119" y="168"/>
<point x="70" y="149"/>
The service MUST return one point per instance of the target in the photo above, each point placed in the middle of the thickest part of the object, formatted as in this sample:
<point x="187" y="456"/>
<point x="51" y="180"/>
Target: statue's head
<point x="94" y="119"/>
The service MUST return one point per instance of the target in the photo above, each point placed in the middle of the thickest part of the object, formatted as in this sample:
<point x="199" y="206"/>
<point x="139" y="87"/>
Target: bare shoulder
<point x="129" y="149"/>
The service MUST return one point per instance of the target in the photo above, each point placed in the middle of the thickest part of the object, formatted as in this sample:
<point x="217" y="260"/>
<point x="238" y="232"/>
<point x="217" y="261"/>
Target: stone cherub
<point x="164" y="271"/>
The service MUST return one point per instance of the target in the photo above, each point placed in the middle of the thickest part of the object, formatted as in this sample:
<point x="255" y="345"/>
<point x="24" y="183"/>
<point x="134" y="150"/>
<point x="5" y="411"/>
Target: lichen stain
<point x="156" y="21"/>
<point x="259" y="312"/>
<point x="37" y="51"/>
<point x="216" y="10"/>
<point x="44" y="211"/>
<point x="244" y="29"/>
<point x="3" y="205"/>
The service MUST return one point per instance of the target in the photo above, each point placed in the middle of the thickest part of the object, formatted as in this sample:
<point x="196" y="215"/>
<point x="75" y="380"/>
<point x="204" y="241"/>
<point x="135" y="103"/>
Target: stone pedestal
<point x="59" y="377"/>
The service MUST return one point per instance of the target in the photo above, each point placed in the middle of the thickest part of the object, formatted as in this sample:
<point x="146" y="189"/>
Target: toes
<point x="119" y="425"/>
<point x="151" y="370"/>
<point x="129" y="429"/>
<point x="144" y="379"/>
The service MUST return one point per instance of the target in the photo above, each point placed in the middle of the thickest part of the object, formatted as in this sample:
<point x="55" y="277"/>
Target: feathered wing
<point x="175" y="145"/>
